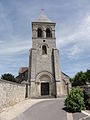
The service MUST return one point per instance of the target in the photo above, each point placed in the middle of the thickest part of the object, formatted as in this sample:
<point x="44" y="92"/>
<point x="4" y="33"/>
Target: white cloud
<point x="5" y="23"/>
<point x="1" y="41"/>
<point x="17" y="45"/>
<point x="78" y="41"/>
<point x="74" y="51"/>
<point x="10" y="43"/>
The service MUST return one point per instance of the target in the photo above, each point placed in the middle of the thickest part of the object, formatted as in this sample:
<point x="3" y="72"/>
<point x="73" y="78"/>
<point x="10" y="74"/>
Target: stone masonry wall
<point x="10" y="93"/>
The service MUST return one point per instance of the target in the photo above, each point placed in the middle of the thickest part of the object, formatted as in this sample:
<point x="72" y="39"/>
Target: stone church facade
<point x="44" y="73"/>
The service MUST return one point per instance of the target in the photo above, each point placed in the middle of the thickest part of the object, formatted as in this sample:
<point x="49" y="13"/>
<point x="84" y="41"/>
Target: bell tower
<point x="44" y="63"/>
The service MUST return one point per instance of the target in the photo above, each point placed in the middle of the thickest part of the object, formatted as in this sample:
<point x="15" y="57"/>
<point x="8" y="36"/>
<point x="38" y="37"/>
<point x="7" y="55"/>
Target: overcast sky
<point x="72" y="19"/>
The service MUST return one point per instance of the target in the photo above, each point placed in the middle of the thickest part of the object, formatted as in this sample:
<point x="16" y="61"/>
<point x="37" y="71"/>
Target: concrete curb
<point x="84" y="118"/>
<point x="86" y="113"/>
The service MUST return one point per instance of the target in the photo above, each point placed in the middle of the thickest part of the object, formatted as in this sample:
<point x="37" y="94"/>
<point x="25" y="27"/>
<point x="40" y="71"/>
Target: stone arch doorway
<point x="45" y="84"/>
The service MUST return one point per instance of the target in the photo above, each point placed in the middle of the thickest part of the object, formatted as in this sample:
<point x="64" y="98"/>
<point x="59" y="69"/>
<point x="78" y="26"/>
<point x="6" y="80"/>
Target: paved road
<point x="46" y="110"/>
<point x="49" y="110"/>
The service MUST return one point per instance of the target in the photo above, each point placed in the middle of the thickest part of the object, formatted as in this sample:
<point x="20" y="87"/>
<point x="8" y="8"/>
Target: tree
<point x="79" y="79"/>
<point x="71" y="80"/>
<point x="8" y="77"/>
<point x="88" y="75"/>
<point x="75" y="100"/>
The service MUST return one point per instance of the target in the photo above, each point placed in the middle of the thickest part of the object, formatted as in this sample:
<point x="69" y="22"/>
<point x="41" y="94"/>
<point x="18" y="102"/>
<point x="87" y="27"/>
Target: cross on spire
<point x="42" y="10"/>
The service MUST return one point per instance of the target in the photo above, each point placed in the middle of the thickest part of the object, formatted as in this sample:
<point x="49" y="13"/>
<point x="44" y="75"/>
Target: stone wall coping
<point x="86" y="86"/>
<point x="9" y="82"/>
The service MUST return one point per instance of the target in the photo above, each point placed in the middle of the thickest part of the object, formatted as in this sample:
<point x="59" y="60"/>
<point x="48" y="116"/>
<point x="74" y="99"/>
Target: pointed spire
<point x="43" y="17"/>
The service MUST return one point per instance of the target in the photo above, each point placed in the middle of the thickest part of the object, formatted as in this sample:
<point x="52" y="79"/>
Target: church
<point x="44" y="73"/>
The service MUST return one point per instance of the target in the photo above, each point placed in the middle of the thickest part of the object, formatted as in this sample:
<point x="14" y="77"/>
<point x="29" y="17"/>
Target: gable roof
<point x="65" y="74"/>
<point x="23" y="69"/>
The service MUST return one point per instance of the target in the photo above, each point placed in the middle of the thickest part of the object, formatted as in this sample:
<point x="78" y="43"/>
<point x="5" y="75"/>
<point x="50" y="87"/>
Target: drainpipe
<point x="26" y="83"/>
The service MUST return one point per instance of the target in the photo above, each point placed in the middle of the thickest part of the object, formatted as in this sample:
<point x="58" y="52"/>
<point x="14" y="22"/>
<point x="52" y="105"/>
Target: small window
<point x="39" y="32"/>
<point x="48" y="33"/>
<point x="44" y="50"/>
<point x="43" y="40"/>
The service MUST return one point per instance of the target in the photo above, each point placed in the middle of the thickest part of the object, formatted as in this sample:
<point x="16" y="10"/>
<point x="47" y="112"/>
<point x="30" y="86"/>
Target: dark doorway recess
<point x="44" y="88"/>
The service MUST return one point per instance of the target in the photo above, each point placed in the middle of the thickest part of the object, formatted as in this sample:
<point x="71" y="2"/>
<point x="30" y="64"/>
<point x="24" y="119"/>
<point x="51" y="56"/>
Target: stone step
<point x="43" y="97"/>
<point x="48" y="96"/>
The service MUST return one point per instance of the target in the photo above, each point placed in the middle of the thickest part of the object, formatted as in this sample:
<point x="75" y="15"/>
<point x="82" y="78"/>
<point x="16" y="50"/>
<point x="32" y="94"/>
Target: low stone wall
<point x="11" y="93"/>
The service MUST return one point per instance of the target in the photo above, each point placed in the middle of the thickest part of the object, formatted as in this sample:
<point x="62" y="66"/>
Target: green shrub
<point x="8" y="77"/>
<point x="75" y="100"/>
<point x="87" y="103"/>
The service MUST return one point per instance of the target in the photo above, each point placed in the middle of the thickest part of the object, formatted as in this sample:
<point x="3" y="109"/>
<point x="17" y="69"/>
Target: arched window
<point x="48" y="33"/>
<point x="39" y="32"/>
<point x="44" y="49"/>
